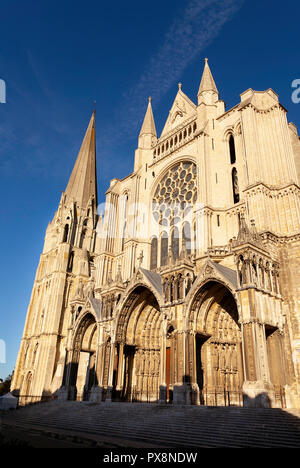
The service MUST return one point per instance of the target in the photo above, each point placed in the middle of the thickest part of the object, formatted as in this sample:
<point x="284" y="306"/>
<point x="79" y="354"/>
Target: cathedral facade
<point x="186" y="287"/>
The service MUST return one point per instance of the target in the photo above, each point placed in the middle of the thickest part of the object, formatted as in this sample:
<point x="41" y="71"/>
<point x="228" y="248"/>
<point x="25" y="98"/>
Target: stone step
<point x="183" y="423"/>
<point x="168" y="426"/>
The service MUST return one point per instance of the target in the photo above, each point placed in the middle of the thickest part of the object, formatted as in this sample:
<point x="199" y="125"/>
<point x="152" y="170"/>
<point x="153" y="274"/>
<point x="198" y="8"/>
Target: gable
<point x="182" y="110"/>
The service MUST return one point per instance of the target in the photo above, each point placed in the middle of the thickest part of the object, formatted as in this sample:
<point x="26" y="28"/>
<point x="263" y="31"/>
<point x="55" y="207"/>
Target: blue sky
<point x="58" y="57"/>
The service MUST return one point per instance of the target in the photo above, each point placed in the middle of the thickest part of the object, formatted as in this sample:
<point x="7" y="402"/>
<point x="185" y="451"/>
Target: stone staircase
<point x="152" y="425"/>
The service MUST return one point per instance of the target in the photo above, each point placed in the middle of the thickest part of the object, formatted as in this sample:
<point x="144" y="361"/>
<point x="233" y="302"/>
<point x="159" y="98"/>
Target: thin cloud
<point x="188" y="35"/>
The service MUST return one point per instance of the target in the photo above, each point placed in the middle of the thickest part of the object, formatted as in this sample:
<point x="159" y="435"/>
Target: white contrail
<point x="197" y="26"/>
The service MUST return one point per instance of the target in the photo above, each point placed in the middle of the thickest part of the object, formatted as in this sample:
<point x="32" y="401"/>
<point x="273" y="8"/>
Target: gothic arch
<point x="154" y="253"/>
<point x="130" y="297"/>
<point x="166" y="167"/>
<point x="175" y="242"/>
<point x="238" y="128"/>
<point x="79" y="319"/>
<point x="83" y="359"/>
<point x="207" y="275"/>
<point x="138" y="336"/>
<point x="232" y="149"/>
<point x="164" y="246"/>
<point x="213" y="320"/>
<point x="210" y="291"/>
<point x="186" y="236"/>
<point x="127" y="297"/>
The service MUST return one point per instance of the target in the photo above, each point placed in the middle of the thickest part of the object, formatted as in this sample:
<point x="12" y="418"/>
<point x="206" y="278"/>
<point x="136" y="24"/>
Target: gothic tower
<point x="65" y="269"/>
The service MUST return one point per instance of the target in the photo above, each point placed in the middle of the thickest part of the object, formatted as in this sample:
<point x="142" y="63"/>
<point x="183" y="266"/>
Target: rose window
<point x="177" y="191"/>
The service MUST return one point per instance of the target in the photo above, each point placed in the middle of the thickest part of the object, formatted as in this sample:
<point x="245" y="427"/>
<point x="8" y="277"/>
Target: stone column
<point x="72" y="368"/>
<point x="257" y="390"/>
<point x="163" y="345"/>
<point x="191" y="367"/>
<point x="113" y="351"/>
<point x="96" y="390"/>
<point x="181" y="391"/>
<point x="63" y="392"/>
<point x="120" y="371"/>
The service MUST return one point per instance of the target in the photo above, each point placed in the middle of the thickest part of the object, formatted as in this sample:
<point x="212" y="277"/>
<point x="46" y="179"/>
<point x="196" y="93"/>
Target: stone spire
<point x="207" y="83"/>
<point x="148" y="127"/>
<point x="82" y="184"/>
<point x="246" y="235"/>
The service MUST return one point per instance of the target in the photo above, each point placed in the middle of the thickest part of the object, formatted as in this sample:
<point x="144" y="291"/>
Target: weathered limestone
<point x="186" y="289"/>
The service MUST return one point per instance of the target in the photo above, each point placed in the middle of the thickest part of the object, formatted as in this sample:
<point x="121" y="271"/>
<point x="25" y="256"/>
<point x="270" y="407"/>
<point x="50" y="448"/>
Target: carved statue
<point x="242" y="267"/>
<point x="254" y="272"/>
<point x="89" y="289"/>
<point x="80" y="290"/>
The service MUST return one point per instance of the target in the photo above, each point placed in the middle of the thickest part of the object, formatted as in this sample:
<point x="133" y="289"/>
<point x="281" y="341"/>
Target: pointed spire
<point x="148" y="126"/>
<point x="207" y="81"/>
<point x="246" y="235"/>
<point x="82" y="184"/>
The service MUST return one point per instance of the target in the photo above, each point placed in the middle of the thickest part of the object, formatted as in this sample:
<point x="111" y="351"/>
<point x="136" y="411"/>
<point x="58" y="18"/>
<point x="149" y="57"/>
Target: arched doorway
<point x="218" y="366"/>
<point x="83" y="374"/>
<point x="138" y="358"/>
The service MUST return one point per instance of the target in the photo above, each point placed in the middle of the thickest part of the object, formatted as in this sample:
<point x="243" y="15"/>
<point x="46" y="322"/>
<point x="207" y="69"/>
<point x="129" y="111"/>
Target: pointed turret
<point x="148" y="127"/>
<point x="208" y="91"/>
<point x="148" y="132"/>
<point x="82" y="184"/>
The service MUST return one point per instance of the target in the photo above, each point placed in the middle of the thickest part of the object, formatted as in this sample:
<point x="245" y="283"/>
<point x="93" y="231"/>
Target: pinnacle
<point x="207" y="81"/>
<point x="148" y="126"/>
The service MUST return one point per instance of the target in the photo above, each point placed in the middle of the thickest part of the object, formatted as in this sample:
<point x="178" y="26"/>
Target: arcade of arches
<point x="205" y="357"/>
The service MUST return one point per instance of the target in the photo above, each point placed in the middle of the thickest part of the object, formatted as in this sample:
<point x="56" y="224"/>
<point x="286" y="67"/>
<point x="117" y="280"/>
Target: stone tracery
<point x="176" y="190"/>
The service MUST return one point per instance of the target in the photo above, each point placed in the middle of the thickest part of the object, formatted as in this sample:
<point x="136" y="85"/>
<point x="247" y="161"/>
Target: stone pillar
<point x="68" y="389"/>
<point x="181" y="390"/>
<point x="257" y="390"/>
<point x="63" y="392"/>
<point x="191" y="367"/>
<point x="96" y="390"/>
<point x="120" y="371"/>
<point x="113" y="351"/>
<point x="163" y="345"/>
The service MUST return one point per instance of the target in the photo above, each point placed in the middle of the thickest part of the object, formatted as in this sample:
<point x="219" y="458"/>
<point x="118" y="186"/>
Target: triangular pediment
<point x="96" y="305"/>
<point x="153" y="278"/>
<point x="150" y="279"/>
<point x="217" y="271"/>
<point x="183" y="109"/>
